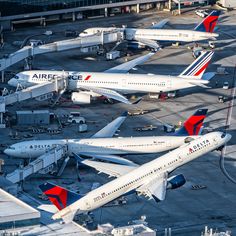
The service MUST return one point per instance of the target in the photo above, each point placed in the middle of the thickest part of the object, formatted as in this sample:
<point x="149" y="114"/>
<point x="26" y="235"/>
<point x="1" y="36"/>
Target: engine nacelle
<point x="176" y="181"/>
<point x="80" y="98"/>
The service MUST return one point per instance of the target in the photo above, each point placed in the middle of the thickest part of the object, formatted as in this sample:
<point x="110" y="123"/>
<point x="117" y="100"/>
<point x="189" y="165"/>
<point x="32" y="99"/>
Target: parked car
<point x="226" y="85"/>
<point x="76" y="118"/>
<point x="146" y="128"/>
<point x="202" y="13"/>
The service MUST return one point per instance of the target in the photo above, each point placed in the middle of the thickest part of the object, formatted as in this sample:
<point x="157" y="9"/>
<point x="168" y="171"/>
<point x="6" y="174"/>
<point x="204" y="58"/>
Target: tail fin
<point x="192" y="126"/>
<point x="60" y="197"/>
<point x="198" y="67"/>
<point x="209" y="23"/>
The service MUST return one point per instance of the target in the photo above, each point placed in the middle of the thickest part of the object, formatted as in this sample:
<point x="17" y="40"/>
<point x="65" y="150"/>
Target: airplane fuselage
<point x="139" y="176"/>
<point x="106" y="146"/>
<point x="125" y="83"/>
<point x="156" y="34"/>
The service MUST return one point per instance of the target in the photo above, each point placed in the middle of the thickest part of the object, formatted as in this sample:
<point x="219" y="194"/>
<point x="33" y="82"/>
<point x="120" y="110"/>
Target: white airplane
<point x="102" y="146"/>
<point x="151" y="179"/>
<point x="113" y="85"/>
<point x="150" y="37"/>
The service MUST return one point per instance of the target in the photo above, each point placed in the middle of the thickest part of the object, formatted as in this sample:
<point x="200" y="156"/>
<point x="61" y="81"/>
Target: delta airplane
<point x="113" y="85"/>
<point x="149" y="37"/>
<point x="103" y="147"/>
<point x="151" y="179"/>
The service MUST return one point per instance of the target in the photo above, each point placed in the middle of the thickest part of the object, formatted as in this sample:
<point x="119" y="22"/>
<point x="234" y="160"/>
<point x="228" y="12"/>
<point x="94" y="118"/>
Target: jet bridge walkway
<point x="79" y="42"/>
<point x="42" y="164"/>
<point x="36" y="91"/>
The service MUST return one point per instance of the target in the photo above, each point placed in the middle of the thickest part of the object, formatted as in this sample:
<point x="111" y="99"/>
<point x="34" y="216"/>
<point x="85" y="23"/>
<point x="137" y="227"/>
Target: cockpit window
<point x="16" y="77"/>
<point x="223" y="135"/>
<point x="85" y="32"/>
<point x="12" y="148"/>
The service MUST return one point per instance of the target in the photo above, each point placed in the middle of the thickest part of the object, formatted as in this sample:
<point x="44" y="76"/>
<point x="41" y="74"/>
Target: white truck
<point x="112" y="55"/>
<point x="76" y="118"/>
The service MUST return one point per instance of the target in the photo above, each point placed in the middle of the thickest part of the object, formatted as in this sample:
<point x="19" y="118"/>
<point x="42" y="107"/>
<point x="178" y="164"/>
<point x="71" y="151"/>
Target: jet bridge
<point x="79" y="42"/>
<point x="36" y="91"/>
<point x="42" y="164"/>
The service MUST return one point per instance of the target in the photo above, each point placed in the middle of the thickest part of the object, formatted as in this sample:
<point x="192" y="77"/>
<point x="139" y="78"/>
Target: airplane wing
<point x="114" y="170"/>
<point x="150" y="43"/>
<point x="111" y="158"/>
<point x="155" y="188"/>
<point x="160" y="24"/>
<point x="109" y="130"/>
<point x="107" y="93"/>
<point x="125" y="67"/>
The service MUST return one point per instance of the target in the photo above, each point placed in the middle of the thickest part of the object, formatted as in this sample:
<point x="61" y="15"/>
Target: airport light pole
<point x="227" y="125"/>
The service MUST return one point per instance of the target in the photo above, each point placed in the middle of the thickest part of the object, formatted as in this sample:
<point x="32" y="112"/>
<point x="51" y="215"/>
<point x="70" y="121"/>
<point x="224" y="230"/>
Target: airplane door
<point x="168" y="144"/>
<point x="129" y="34"/>
<point x="169" y="84"/>
<point x="123" y="83"/>
<point x="180" y="158"/>
<point x="87" y="204"/>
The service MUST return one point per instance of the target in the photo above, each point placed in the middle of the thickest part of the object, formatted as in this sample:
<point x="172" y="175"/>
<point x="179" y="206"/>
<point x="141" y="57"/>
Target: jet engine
<point x="175" y="181"/>
<point x="80" y="98"/>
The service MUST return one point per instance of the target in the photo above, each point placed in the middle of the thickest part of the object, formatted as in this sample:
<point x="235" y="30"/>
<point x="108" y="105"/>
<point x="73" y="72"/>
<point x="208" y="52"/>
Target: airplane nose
<point x="228" y="137"/>
<point x="8" y="152"/>
<point x="13" y="82"/>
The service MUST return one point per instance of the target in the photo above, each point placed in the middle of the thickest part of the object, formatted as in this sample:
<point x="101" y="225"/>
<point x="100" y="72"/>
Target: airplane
<point x="112" y="83"/>
<point x="151" y="179"/>
<point x="104" y="147"/>
<point x="150" y="36"/>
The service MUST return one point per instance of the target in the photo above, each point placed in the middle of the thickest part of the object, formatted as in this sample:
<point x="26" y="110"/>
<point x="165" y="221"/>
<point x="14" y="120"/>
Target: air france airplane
<point x="150" y="37"/>
<point x="100" y="146"/>
<point x="151" y="179"/>
<point x="114" y="85"/>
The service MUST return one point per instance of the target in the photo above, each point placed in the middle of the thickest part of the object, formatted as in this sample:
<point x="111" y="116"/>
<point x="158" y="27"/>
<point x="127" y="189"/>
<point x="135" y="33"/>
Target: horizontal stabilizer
<point x="208" y="76"/>
<point x="48" y="208"/>
<point x="66" y="214"/>
<point x="199" y="84"/>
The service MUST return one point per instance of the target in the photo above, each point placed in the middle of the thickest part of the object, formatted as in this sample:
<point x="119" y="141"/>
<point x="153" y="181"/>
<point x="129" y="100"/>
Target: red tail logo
<point x="58" y="196"/>
<point x="194" y="124"/>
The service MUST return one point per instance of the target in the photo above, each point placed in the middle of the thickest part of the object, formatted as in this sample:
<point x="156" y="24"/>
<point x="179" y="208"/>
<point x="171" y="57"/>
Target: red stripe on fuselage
<point x="87" y="77"/>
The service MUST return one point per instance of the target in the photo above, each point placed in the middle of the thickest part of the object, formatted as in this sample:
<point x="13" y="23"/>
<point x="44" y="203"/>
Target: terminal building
<point x="13" y="13"/>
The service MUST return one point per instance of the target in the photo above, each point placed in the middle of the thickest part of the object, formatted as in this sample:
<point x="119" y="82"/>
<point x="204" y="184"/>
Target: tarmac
<point x="186" y="210"/>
